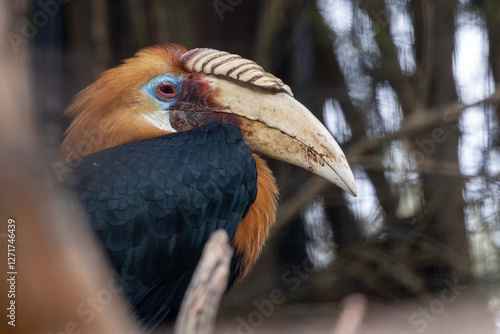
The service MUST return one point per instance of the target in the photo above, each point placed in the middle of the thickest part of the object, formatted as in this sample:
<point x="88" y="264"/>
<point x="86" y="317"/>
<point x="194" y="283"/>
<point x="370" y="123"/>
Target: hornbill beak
<point x="272" y="122"/>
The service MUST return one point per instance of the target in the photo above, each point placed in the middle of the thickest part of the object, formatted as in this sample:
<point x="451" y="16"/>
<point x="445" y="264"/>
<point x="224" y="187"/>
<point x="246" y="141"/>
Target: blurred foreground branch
<point x="351" y="315"/>
<point x="49" y="276"/>
<point x="201" y="302"/>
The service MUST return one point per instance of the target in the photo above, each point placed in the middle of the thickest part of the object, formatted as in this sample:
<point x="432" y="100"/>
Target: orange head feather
<point x="108" y="112"/>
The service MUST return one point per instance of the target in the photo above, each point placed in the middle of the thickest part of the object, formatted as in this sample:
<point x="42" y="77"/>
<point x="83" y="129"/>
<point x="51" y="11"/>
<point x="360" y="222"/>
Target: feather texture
<point x="154" y="234"/>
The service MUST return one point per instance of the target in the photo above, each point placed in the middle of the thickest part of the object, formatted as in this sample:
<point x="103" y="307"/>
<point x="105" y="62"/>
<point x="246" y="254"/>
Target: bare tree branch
<point x="201" y="301"/>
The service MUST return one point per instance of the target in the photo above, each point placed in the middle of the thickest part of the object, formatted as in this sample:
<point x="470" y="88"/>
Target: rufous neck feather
<point x="254" y="229"/>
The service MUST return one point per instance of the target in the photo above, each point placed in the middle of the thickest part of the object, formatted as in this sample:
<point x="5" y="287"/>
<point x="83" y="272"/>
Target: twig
<point x="201" y="303"/>
<point x="353" y="311"/>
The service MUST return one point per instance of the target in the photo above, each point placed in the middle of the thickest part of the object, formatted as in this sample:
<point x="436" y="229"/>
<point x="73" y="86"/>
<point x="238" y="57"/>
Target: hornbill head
<point x="166" y="88"/>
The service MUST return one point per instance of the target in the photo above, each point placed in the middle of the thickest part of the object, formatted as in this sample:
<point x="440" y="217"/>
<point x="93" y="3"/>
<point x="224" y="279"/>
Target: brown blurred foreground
<point x="52" y="286"/>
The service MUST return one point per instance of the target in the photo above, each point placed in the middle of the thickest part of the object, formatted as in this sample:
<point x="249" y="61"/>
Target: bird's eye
<point x="166" y="91"/>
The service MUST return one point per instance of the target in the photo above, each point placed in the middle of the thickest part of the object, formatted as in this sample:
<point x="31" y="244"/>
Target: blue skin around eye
<point x="150" y="88"/>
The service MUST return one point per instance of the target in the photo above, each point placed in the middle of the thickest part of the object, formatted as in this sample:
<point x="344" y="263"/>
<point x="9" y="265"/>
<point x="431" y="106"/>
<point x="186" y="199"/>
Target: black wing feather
<point x="154" y="203"/>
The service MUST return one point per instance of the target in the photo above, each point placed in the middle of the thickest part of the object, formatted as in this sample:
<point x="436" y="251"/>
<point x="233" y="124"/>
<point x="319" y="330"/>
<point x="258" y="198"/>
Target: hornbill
<point x="165" y="149"/>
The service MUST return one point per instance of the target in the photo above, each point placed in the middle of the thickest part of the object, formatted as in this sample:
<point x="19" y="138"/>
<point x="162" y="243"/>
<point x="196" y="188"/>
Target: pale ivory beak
<point x="281" y="128"/>
<point x="272" y="122"/>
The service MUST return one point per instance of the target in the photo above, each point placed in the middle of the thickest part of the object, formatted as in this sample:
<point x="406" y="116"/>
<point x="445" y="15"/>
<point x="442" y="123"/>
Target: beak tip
<point x="343" y="176"/>
<point x="344" y="182"/>
<point x="348" y="185"/>
<point x="353" y="191"/>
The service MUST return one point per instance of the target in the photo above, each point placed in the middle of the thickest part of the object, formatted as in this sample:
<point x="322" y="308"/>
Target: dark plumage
<point x="154" y="203"/>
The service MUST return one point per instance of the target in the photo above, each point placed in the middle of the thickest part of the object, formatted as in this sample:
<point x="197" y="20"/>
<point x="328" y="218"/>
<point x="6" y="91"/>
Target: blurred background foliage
<point x="407" y="87"/>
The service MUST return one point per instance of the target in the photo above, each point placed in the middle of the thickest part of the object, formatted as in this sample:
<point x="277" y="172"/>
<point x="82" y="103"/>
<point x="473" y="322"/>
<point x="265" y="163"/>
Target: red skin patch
<point x="196" y="105"/>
